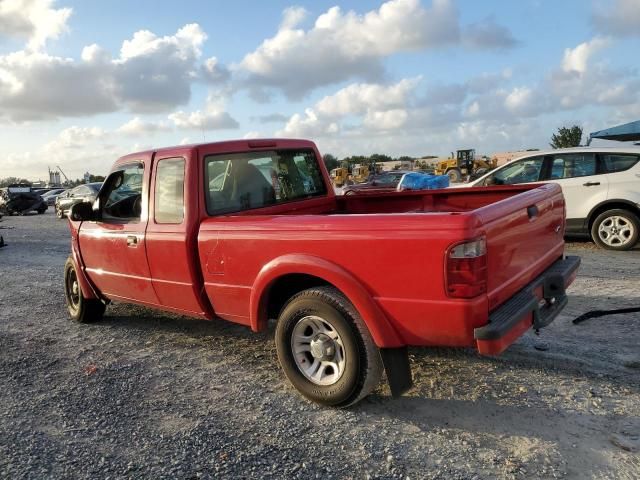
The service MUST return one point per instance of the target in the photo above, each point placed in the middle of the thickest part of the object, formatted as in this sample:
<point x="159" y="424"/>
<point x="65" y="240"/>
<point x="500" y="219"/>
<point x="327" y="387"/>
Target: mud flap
<point x="396" y="365"/>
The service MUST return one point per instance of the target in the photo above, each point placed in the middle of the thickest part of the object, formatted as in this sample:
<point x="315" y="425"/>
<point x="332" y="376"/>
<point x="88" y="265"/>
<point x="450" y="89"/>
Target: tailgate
<point x="524" y="237"/>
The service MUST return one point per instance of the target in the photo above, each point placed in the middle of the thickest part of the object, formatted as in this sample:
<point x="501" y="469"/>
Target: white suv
<point x="601" y="187"/>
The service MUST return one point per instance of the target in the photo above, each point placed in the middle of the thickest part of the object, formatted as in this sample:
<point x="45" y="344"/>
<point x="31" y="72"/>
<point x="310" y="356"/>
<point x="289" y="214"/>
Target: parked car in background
<point x="601" y="186"/>
<point x="51" y="195"/>
<point x="81" y="193"/>
<point x="19" y="199"/>
<point x="378" y="182"/>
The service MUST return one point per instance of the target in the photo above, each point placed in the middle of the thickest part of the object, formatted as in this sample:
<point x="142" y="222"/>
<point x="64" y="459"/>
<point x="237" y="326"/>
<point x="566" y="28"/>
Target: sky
<point x="84" y="82"/>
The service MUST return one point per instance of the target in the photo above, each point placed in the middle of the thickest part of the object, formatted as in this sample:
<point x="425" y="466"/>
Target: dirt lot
<point x="146" y="394"/>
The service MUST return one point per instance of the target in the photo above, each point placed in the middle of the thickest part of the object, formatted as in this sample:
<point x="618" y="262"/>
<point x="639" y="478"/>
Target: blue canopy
<point x="628" y="132"/>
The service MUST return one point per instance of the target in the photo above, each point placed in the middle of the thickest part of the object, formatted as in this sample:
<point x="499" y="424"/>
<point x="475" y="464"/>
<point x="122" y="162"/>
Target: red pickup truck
<point x="251" y="230"/>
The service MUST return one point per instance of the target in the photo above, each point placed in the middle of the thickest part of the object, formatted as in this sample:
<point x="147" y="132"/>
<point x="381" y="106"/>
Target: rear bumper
<point x="536" y="305"/>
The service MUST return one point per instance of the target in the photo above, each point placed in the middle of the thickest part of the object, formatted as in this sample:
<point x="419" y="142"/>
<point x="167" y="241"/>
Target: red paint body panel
<point x="384" y="251"/>
<point x="115" y="268"/>
<point x="172" y="248"/>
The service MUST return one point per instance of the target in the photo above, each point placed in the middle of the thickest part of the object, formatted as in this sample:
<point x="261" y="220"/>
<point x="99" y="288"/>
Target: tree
<point x="5" y="182"/>
<point x="330" y="161"/>
<point x="567" y="137"/>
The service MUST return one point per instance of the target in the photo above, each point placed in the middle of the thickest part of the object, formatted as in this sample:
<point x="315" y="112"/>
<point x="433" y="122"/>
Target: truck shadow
<point x="527" y="433"/>
<point x="496" y="413"/>
<point x="573" y="350"/>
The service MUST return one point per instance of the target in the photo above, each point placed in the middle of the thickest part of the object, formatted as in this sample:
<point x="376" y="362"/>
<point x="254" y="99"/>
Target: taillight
<point x="466" y="275"/>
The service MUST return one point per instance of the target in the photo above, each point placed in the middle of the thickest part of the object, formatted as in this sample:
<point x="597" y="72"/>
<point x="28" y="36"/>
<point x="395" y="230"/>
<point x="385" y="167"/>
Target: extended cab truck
<point x="249" y="231"/>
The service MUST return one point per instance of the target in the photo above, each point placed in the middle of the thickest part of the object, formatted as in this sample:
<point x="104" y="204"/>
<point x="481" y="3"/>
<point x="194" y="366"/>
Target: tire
<point x="80" y="309"/>
<point x="59" y="212"/>
<point x="326" y="316"/>
<point x="454" y="175"/>
<point x="41" y="211"/>
<point x="350" y="192"/>
<point x="616" y="229"/>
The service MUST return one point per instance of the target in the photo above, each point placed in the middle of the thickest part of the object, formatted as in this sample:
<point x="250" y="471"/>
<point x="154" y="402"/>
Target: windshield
<point x="519" y="171"/>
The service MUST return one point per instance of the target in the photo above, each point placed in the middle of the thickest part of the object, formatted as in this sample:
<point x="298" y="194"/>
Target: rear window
<point x="618" y="163"/>
<point x="247" y="180"/>
<point x="169" y="197"/>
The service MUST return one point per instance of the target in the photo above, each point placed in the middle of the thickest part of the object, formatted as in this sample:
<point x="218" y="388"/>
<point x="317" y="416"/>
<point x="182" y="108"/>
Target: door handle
<point x="591" y="184"/>
<point x="532" y="211"/>
<point x="132" y="241"/>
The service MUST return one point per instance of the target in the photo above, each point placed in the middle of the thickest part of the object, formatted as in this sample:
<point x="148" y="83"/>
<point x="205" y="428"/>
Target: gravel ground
<point x="145" y="394"/>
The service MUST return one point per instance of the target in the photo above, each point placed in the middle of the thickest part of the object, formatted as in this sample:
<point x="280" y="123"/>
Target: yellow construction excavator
<point x="464" y="164"/>
<point x="361" y="173"/>
<point x="339" y="176"/>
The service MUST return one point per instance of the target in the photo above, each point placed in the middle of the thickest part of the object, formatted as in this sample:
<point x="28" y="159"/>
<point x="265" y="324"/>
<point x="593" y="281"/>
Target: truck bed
<point x="392" y="244"/>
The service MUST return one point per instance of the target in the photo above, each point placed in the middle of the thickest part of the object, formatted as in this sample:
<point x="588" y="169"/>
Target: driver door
<point x="114" y="247"/>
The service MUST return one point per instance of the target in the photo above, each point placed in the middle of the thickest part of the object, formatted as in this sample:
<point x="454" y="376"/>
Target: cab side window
<point x="617" y="162"/>
<point x="169" y="193"/>
<point x="572" y="165"/>
<point x="122" y="197"/>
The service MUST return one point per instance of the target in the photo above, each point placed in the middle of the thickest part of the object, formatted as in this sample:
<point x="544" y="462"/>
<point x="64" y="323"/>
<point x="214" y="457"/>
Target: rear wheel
<point x="454" y="175"/>
<point x="80" y="309"/>
<point x="616" y="229"/>
<point x="41" y="211"/>
<point x="325" y="348"/>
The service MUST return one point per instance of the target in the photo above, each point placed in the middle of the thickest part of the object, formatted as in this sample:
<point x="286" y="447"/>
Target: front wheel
<point x="59" y="212"/>
<point x="454" y="175"/>
<point x="80" y="309"/>
<point x="325" y="348"/>
<point x="616" y="229"/>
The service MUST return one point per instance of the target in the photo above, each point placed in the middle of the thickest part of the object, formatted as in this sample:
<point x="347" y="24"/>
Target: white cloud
<point x="488" y="34"/>
<point x="252" y="134"/>
<point x="485" y="111"/>
<point x="575" y="59"/>
<point x="136" y="127"/>
<point x="271" y="118"/>
<point x="385" y="120"/>
<point x="618" y="18"/>
<point x="473" y="110"/>
<point x="343" y="45"/>
<point x="359" y="98"/>
<point x="381" y="107"/>
<point x="33" y="20"/>
<point x="152" y="74"/>
<point x="41" y="86"/>
<point x="212" y="117"/>
<point x="292" y="16"/>
<point x="213" y="72"/>
<point x="76" y="149"/>
<point x="74" y="138"/>
<point x="519" y="99"/>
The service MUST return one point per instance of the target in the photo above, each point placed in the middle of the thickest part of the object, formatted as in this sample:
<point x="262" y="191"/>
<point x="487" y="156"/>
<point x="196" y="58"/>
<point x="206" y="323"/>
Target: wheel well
<point x="286" y="287"/>
<point x="611" y="206"/>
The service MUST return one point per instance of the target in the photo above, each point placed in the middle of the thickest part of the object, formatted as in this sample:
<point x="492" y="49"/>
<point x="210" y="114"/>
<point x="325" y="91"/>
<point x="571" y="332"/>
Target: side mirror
<point x="81" y="212"/>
